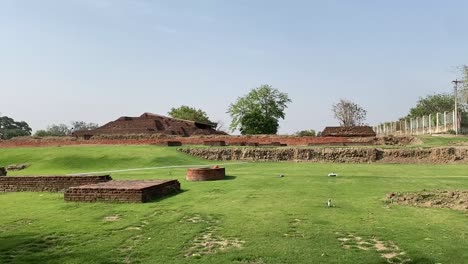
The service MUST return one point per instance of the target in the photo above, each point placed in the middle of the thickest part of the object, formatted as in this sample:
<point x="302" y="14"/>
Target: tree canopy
<point x="81" y="125"/>
<point x="9" y="128"/>
<point x="431" y="104"/>
<point x="306" y="133"/>
<point x="349" y="113"/>
<point x="60" y="130"/>
<point x="190" y="113"/>
<point x="258" y="112"/>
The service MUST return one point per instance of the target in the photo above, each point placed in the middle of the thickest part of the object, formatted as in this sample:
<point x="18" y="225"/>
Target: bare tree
<point x="349" y="113"/>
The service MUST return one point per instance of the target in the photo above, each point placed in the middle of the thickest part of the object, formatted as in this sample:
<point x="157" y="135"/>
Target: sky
<point x="97" y="60"/>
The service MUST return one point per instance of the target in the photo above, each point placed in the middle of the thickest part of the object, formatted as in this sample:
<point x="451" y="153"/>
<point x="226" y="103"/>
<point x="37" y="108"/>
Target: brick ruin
<point x="149" y="123"/>
<point x="91" y="188"/>
<point x="47" y="183"/>
<point x="353" y="131"/>
<point x="206" y="174"/>
<point x="129" y="191"/>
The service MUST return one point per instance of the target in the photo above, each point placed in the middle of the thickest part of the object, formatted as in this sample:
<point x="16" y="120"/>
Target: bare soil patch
<point x="453" y="199"/>
<point x="208" y="241"/>
<point x="388" y="250"/>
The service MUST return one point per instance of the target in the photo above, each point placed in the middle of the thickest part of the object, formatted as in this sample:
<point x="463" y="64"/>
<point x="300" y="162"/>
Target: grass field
<point x="252" y="217"/>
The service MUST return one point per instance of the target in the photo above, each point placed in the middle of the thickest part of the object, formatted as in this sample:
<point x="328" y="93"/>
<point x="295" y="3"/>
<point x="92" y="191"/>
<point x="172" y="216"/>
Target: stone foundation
<point x="336" y="155"/>
<point x="47" y="183"/>
<point x="205" y="174"/>
<point x="132" y="191"/>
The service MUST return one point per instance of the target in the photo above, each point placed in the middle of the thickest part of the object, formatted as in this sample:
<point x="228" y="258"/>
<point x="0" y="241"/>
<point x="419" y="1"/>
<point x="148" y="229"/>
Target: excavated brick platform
<point x="132" y="191"/>
<point x="47" y="183"/>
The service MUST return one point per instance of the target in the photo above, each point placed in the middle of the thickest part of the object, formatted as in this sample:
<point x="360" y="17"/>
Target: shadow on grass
<point x="421" y="261"/>
<point x="229" y="178"/>
<point x="157" y="199"/>
<point x="29" y="248"/>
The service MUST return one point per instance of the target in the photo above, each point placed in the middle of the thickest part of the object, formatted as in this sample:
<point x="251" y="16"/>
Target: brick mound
<point x="453" y="199"/>
<point x="149" y="123"/>
<point x="206" y="174"/>
<point x="354" y="131"/>
<point x="47" y="183"/>
<point x="131" y="191"/>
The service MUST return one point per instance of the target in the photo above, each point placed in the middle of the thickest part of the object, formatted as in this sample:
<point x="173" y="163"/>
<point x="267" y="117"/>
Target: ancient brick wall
<point x="198" y="140"/>
<point x="47" y="183"/>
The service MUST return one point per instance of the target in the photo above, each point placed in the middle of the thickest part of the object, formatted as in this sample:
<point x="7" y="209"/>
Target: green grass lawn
<point x="255" y="215"/>
<point x="443" y="140"/>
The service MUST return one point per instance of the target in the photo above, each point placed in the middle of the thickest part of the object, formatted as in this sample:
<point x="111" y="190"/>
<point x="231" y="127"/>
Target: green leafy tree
<point x="81" y="125"/>
<point x="255" y="123"/>
<point x="59" y="130"/>
<point x="306" y="133"/>
<point x="258" y="112"/>
<point x="9" y="128"/>
<point x="190" y="113"/>
<point x="431" y="104"/>
<point x="349" y="113"/>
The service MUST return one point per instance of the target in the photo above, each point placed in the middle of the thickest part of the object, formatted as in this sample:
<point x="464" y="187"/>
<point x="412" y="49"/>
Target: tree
<point x="190" y="113"/>
<point x="306" y="133"/>
<point x="431" y="104"/>
<point x="349" y="113"/>
<point x="258" y="112"/>
<point x="59" y="130"/>
<point x="9" y="128"/>
<point x="81" y="125"/>
<point x="255" y="123"/>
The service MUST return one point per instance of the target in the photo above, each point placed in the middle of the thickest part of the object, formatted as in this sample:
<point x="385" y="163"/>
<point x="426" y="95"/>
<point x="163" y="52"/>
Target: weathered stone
<point x="17" y="167"/>
<point x="339" y="155"/>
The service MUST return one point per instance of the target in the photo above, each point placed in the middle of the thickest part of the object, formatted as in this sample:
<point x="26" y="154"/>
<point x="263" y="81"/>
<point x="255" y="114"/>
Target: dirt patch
<point x="208" y="241"/>
<point x="453" y="199"/>
<point x="397" y="141"/>
<point x="294" y="228"/>
<point x="111" y="218"/>
<point x="388" y="250"/>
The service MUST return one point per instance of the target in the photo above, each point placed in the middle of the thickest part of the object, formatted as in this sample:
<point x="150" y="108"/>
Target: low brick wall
<point x="194" y="140"/>
<point x="131" y="191"/>
<point x="47" y="183"/>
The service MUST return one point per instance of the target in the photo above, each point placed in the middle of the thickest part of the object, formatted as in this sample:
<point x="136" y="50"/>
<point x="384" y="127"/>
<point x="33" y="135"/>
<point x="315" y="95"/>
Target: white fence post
<point x="445" y="121"/>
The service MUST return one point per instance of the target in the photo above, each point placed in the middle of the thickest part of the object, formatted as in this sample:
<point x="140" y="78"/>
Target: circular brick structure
<point x="206" y="174"/>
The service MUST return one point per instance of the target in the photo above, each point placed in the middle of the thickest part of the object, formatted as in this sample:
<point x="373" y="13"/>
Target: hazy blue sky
<point x="96" y="60"/>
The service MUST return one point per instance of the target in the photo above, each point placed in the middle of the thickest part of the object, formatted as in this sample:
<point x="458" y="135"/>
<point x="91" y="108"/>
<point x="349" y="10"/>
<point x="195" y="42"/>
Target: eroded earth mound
<point x="453" y="199"/>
